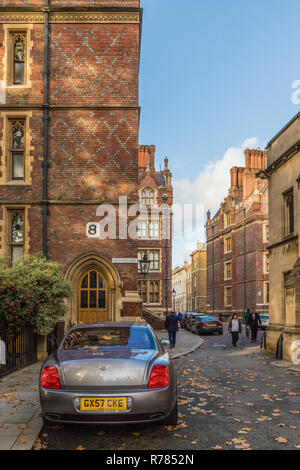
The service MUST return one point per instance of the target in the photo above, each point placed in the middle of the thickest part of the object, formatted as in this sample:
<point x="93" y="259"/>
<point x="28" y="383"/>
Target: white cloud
<point x="208" y="189"/>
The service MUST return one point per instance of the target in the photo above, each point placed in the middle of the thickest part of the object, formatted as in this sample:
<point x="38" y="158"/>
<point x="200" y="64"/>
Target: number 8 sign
<point x="93" y="230"/>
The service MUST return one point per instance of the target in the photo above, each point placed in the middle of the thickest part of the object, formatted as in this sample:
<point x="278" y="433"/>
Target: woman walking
<point x="235" y="328"/>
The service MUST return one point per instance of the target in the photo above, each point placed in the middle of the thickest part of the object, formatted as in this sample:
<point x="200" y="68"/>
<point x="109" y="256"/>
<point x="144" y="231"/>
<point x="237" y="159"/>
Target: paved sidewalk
<point x="186" y="343"/>
<point x="20" y="422"/>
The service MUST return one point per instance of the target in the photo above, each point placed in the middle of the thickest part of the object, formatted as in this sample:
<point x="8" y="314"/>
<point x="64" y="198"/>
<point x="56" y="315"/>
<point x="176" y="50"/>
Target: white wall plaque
<point x="124" y="260"/>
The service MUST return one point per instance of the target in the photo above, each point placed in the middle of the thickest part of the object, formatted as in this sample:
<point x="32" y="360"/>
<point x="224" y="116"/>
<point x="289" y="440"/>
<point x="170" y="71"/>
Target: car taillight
<point x="159" y="377"/>
<point x="50" y="378"/>
<point x="219" y="323"/>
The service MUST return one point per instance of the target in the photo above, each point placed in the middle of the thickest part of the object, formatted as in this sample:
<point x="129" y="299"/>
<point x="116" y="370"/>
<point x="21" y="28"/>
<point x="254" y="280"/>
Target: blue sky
<point x="215" y="74"/>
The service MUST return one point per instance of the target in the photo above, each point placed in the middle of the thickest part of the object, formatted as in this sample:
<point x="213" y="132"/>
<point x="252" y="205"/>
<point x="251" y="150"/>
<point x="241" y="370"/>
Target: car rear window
<point x="109" y="337"/>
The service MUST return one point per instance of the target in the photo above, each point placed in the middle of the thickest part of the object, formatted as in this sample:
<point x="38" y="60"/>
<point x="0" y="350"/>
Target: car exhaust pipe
<point x="54" y="416"/>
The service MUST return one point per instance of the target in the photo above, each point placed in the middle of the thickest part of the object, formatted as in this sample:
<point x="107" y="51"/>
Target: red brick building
<point x="237" y="239"/>
<point x="154" y="186"/>
<point x="69" y="121"/>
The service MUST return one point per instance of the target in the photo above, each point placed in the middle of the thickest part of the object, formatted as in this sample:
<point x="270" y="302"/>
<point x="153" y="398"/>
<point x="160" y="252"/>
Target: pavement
<point x="186" y="343"/>
<point x="20" y="422"/>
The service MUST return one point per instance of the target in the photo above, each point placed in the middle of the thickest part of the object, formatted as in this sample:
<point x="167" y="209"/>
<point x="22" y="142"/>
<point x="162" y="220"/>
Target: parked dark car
<point x="109" y="373"/>
<point x="184" y="320"/>
<point x="207" y="325"/>
<point x="190" y="326"/>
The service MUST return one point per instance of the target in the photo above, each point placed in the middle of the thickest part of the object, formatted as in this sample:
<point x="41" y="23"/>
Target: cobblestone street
<point x="229" y="399"/>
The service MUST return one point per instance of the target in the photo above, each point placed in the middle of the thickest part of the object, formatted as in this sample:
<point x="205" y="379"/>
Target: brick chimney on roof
<point x="255" y="159"/>
<point x="146" y="157"/>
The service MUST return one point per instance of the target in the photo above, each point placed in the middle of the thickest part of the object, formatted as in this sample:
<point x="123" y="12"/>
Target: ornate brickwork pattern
<point x="93" y="155"/>
<point x="94" y="64"/>
<point x="71" y="3"/>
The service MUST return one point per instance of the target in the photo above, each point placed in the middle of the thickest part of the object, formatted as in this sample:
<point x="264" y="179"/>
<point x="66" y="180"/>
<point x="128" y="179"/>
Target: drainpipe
<point x="213" y="270"/>
<point x="46" y="165"/>
<point x="245" y="263"/>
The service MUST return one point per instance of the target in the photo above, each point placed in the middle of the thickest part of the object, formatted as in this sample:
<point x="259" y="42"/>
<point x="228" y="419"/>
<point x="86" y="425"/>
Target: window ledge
<point x="15" y="183"/>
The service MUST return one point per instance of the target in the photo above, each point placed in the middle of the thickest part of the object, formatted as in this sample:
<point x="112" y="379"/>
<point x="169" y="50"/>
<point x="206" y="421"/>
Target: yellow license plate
<point x="103" y="404"/>
<point x="212" y="324"/>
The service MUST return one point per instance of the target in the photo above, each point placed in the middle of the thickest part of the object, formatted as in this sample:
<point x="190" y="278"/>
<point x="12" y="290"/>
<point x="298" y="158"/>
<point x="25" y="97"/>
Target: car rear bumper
<point x="210" y="329"/>
<point x="147" y="406"/>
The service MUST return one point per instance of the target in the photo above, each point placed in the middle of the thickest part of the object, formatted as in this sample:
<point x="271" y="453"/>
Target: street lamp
<point x="144" y="265"/>
<point x="165" y="200"/>
<point x="174" y="295"/>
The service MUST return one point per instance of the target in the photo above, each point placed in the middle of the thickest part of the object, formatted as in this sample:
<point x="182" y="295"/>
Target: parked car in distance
<point x="109" y="373"/>
<point x="184" y="320"/>
<point x="265" y="318"/>
<point x="192" y="320"/>
<point x="207" y="325"/>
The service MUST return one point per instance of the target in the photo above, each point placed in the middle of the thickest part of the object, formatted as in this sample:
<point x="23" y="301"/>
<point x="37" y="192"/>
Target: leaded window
<point x="147" y="197"/>
<point x="17" y="149"/>
<point x="19" y="53"/>
<point x="16" y="235"/>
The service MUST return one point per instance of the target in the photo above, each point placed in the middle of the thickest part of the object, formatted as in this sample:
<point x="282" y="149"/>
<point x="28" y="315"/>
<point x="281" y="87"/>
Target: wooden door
<point x="93" y="298"/>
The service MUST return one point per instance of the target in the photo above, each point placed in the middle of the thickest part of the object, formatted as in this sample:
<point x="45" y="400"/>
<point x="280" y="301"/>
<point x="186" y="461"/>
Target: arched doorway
<point x="93" y="298"/>
<point x="76" y="274"/>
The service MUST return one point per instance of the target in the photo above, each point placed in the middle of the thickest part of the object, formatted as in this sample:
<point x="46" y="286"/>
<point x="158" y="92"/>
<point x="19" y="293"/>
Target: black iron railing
<point x="17" y="349"/>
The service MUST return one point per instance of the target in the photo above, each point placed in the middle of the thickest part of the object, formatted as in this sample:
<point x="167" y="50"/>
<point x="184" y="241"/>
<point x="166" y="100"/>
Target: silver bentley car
<point x="109" y="373"/>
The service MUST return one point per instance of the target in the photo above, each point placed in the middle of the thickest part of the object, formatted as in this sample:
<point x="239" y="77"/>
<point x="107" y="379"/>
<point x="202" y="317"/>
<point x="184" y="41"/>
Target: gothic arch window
<point x="17" y="149"/>
<point x="19" y="54"/>
<point x="148" y="197"/>
<point x="16" y="242"/>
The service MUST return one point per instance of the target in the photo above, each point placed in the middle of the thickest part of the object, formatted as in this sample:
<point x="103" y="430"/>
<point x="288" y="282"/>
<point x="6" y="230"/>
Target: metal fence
<point x="17" y="350"/>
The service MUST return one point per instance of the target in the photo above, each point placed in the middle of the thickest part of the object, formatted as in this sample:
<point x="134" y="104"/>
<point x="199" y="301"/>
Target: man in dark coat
<point x="171" y="324"/>
<point x="253" y="321"/>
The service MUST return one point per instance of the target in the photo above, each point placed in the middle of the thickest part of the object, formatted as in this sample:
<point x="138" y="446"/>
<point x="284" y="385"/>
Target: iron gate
<point x="17" y="350"/>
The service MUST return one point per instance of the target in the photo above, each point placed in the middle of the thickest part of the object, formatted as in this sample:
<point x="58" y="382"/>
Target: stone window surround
<point x="5" y="228"/>
<point x="147" y="281"/>
<point x="5" y="179"/>
<point x="7" y="60"/>
<point x="147" y="250"/>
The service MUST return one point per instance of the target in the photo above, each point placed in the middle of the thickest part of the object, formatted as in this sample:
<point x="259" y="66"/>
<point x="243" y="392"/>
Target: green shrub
<point x="43" y="281"/>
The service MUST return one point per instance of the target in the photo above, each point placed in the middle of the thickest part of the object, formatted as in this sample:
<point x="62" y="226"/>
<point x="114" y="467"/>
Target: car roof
<point x="110" y="324"/>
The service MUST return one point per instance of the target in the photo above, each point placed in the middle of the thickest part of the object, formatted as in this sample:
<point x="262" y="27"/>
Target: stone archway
<point x="75" y="274"/>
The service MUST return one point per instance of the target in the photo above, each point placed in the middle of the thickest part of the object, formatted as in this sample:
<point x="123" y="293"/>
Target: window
<point x="267" y="263"/>
<point x="267" y="293"/>
<point x="195" y="281"/>
<point x="16" y="235"/>
<point x="143" y="290"/>
<point x="147" y="197"/>
<point x="150" y="291"/>
<point x="228" y="297"/>
<point x="228" y="269"/>
<point x="266" y="233"/>
<point x="17" y="73"/>
<point x="289" y="212"/>
<point x="148" y="229"/>
<point x="16" y="149"/>
<point x="153" y="256"/>
<point x="227" y="219"/>
<point x="227" y="245"/>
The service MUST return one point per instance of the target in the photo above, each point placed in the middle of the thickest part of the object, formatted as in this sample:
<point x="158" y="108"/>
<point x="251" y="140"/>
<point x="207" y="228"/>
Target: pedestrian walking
<point x="235" y="328"/>
<point x="171" y="324"/>
<point x="246" y="322"/>
<point x="253" y="322"/>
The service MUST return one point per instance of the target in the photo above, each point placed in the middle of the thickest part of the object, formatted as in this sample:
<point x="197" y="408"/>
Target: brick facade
<point x="93" y="138"/>
<point x="160" y="182"/>
<point x="241" y="221"/>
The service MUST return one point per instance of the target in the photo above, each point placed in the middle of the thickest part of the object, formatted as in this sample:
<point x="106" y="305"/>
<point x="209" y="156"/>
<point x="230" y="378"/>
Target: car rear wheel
<point x="221" y="332"/>
<point x="171" y="420"/>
